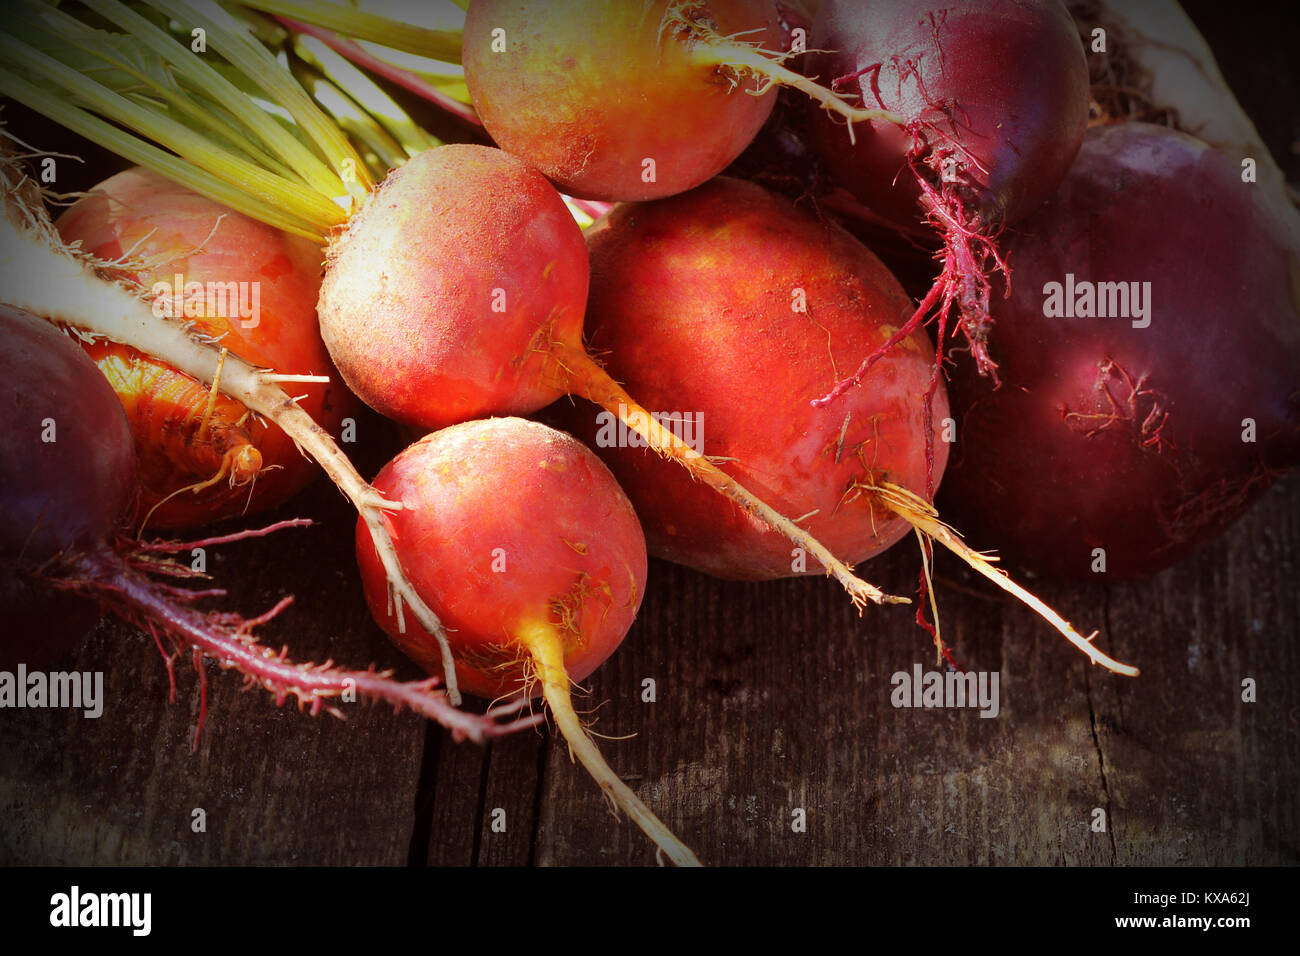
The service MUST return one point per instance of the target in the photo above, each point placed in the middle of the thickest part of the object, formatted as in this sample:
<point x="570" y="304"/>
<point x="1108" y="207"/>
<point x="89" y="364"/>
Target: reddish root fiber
<point x="125" y="587"/>
<point x="905" y="330"/>
<point x="969" y="256"/>
<point x="171" y="547"/>
<point x="1215" y="504"/>
<point x="1142" y="409"/>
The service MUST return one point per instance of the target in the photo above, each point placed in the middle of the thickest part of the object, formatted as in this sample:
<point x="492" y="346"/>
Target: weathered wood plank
<point x="1197" y="774"/>
<point x="513" y="787"/>
<point x="775" y="697"/>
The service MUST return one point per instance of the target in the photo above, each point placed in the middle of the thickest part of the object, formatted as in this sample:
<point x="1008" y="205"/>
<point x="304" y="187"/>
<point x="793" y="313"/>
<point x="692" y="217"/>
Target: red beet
<point x="993" y="97"/>
<point x="171" y="231"/>
<point x="441" y="297"/>
<point x="459" y="292"/>
<point x="180" y="441"/>
<point x="1143" y="440"/>
<point x="67" y="469"/>
<point x="509" y="525"/>
<point x="521" y="540"/>
<point x="729" y="305"/>
<point x="729" y="308"/>
<point x="997" y="88"/>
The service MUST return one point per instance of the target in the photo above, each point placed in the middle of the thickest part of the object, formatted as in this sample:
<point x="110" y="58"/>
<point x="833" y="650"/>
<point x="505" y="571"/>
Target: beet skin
<point x="1142" y="436"/>
<point x="729" y="305"/>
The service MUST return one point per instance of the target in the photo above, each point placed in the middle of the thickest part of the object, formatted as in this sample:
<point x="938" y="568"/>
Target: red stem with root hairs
<point x="123" y="586"/>
<point x="969" y="256"/>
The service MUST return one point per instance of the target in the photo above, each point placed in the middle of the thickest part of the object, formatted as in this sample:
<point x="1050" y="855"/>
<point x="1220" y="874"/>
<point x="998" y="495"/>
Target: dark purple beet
<point x="1103" y="435"/>
<point x="998" y="86"/>
<point x="78" y="488"/>
<point x="993" y="101"/>
<point x="59" y="496"/>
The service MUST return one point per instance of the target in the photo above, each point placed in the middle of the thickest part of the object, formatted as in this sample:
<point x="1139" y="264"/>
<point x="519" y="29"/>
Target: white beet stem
<point x="922" y="516"/>
<point x="546" y="649"/>
<point x="583" y="377"/>
<point x="41" y="276"/>
<point x="744" y="58"/>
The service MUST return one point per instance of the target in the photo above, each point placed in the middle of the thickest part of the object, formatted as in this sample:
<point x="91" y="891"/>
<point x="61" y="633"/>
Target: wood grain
<point x="276" y="786"/>
<point x="769" y="698"/>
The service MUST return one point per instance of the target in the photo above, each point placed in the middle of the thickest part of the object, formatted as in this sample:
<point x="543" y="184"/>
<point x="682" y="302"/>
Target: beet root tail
<point x="922" y="516"/>
<point x="583" y="376"/>
<point x="970" y="256"/>
<point x="124" y="587"/>
<point x="545" y="647"/>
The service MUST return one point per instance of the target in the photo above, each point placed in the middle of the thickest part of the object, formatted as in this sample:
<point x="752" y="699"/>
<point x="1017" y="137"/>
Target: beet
<point x="170" y="231"/>
<point x="730" y="305"/>
<point x="993" y="98"/>
<point x="509" y="524"/>
<point x="459" y="292"/>
<point x="61" y="494"/>
<point x="525" y="545"/>
<point x="66" y="459"/>
<point x="588" y="91"/>
<point x="440" y="297"/>
<point x="999" y="87"/>
<point x="1128" y="434"/>
<point x="728" y="308"/>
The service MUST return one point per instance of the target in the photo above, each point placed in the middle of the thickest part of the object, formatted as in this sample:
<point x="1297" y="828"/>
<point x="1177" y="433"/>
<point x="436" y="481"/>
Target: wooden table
<point x="770" y="698"/>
